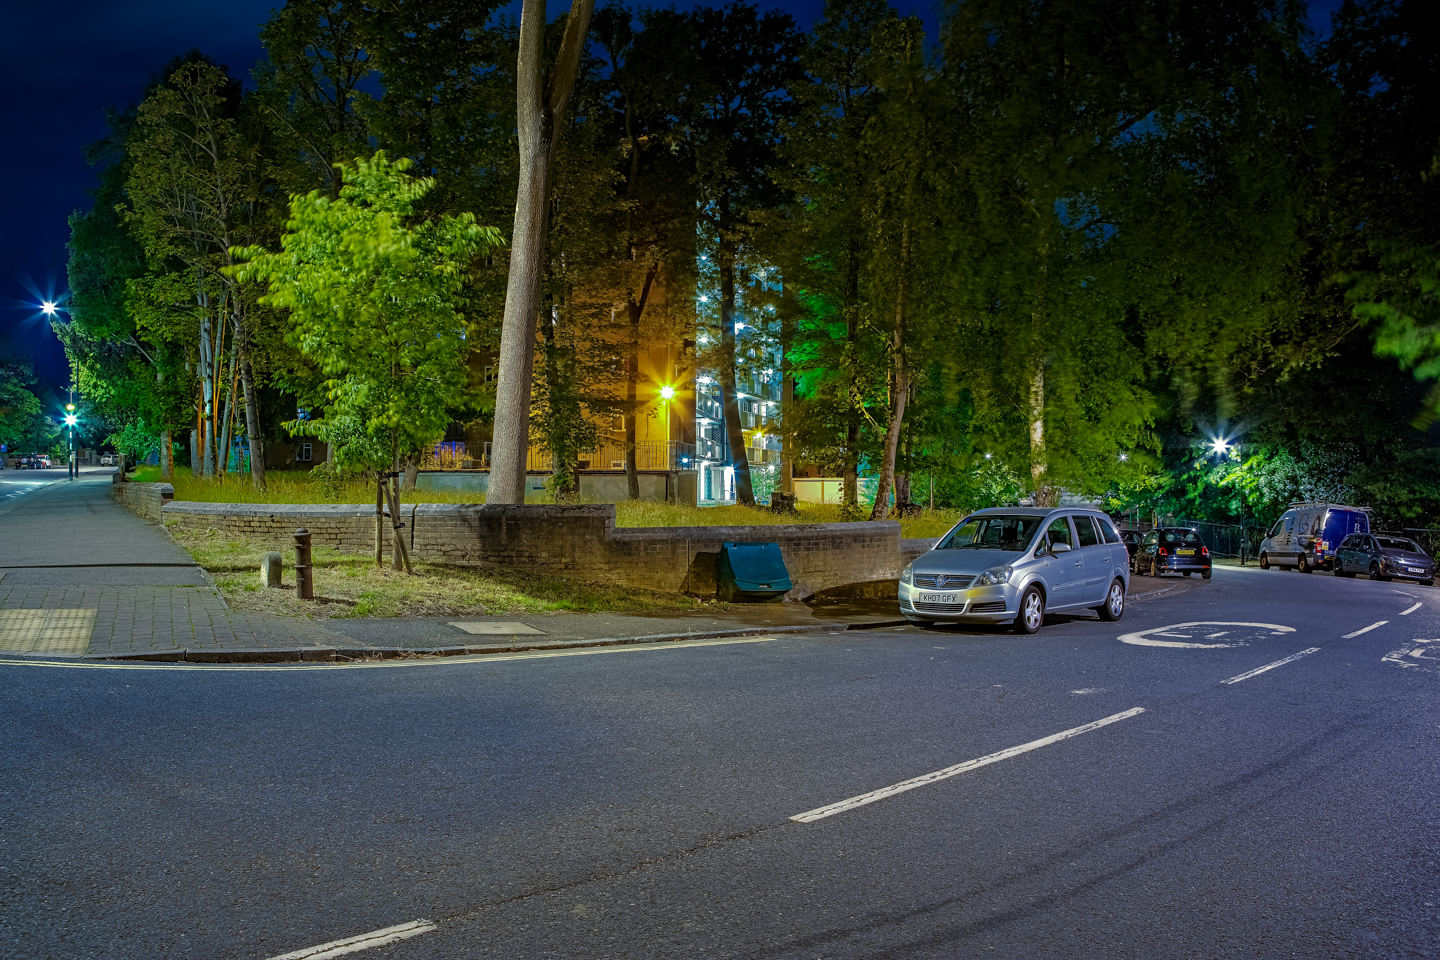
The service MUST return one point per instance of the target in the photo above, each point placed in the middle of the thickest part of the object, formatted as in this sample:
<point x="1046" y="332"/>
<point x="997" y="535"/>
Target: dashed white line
<point x="1406" y="613"/>
<point x="365" y="941"/>
<point x="1377" y="623"/>
<point x="840" y="806"/>
<point x="1270" y="666"/>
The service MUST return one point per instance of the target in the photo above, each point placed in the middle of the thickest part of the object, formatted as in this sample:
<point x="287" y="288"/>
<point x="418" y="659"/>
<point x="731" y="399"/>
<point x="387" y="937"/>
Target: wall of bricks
<point x="146" y="499"/>
<point x="578" y="542"/>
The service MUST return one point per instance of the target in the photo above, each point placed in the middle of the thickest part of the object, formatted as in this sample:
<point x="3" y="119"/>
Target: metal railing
<point x="649" y="455"/>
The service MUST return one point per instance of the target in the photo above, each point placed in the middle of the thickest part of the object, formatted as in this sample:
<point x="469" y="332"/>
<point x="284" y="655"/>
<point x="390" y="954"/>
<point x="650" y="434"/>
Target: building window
<point x="303" y="455"/>
<point x="490" y="374"/>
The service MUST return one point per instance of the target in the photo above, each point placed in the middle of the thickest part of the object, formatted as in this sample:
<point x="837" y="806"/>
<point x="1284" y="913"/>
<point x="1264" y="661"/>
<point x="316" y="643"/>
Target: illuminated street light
<point x="667" y="392"/>
<point x="48" y="308"/>
<point x="1124" y="457"/>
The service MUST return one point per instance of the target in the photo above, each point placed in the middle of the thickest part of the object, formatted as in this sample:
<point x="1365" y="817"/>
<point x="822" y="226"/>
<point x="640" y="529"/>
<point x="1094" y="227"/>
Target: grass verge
<point x="348" y="585"/>
<point x="299" y="486"/>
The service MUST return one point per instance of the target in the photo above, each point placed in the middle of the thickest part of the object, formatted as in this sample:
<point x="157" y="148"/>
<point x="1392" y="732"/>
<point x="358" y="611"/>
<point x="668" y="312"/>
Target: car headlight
<point x="907" y="575"/>
<point x="994" y="576"/>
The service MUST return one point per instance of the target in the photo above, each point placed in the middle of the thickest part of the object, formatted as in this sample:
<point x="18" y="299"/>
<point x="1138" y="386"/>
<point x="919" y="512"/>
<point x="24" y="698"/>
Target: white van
<point x="1306" y="535"/>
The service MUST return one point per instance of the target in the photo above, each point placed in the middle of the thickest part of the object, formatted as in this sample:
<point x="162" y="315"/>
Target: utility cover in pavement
<point x="492" y="627"/>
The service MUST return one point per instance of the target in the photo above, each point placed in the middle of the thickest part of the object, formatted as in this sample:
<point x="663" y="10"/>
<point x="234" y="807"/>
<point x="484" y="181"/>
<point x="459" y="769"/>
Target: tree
<point x="195" y="194"/>
<point x="542" y="97"/>
<point x="22" y="424"/>
<point x="745" y="66"/>
<point x="373" y="294"/>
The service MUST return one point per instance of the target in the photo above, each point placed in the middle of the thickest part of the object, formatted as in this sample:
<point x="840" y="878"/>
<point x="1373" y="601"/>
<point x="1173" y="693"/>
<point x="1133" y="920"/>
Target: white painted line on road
<point x="278" y="668"/>
<point x="1146" y="638"/>
<point x="1377" y="623"/>
<point x="1270" y="666"/>
<point x="365" y="941"/>
<point x="829" y="810"/>
<point x="1406" y="613"/>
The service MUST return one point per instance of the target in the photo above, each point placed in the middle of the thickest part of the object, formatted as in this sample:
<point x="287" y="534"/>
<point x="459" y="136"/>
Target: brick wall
<point x="579" y="542"/>
<point x="146" y="499"/>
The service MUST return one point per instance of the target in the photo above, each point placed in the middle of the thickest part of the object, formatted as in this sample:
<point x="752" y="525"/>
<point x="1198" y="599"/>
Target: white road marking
<point x="385" y="664"/>
<point x="829" y="810"/>
<point x="1406" y="613"/>
<point x="1089" y="690"/>
<point x="1377" y="623"/>
<point x="1218" y="633"/>
<point x="1146" y="638"/>
<point x="1270" y="666"/>
<point x="365" y="941"/>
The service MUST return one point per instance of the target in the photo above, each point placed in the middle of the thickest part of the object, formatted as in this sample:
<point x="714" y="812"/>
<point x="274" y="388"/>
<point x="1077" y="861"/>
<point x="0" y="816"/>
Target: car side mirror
<point x="1061" y="547"/>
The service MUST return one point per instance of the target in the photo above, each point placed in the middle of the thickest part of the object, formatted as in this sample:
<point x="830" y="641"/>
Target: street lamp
<point x="1221" y="447"/>
<point x="71" y="468"/>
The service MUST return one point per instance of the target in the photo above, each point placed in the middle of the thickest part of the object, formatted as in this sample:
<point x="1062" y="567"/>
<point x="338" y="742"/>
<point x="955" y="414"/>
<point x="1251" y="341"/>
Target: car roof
<point x="1033" y="511"/>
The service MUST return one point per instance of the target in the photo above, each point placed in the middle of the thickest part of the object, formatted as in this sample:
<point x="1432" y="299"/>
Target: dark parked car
<point x="1384" y="557"/>
<point x="1172" y="550"/>
<point x="1131" y="539"/>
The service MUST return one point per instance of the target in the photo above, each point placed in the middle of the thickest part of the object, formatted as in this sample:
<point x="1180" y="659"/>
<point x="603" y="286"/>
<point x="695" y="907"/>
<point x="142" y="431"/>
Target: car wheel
<point x="1264" y="561"/>
<point x="1302" y="564"/>
<point x="1032" y="610"/>
<point x="1205" y="575"/>
<point x="1375" y="573"/>
<point x="1427" y="583"/>
<point x="1114" y="606"/>
<point x="1340" y="569"/>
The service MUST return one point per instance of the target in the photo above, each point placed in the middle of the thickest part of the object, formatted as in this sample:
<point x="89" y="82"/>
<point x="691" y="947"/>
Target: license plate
<point x="941" y="598"/>
<point x="1417" y="569"/>
<point x="1185" y="553"/>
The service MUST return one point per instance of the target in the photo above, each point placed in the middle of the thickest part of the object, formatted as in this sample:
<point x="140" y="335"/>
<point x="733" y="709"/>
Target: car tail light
<point x="1161" y="551"/>
<point x="1204" y="551"/>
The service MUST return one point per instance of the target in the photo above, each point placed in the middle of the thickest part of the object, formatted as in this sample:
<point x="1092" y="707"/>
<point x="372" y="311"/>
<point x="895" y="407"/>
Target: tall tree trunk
<point x="1045" y="495"/>
<point x="252" y="419"/>
<point x="167" y="457"/>
<point x="632" y="375"/>
<point x="734" y="429"/>
<point x="540" y="114"/>
<point x="850" y="469"/>
<point x="899" y="384"/>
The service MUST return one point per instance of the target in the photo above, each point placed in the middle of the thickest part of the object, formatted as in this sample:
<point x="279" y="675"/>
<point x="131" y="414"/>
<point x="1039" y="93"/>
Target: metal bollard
<point x="304" y="573"/>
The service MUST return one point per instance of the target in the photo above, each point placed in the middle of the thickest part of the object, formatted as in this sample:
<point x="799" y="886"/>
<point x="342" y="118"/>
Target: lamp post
<point x="1222" y="446"/>
<point x="72" y="467"/>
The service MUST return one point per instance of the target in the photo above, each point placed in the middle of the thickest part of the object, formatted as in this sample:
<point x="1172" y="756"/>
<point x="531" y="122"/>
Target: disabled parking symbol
<point x="1206" y="634"/>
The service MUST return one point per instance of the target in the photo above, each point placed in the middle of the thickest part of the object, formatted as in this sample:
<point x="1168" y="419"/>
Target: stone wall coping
<point x="760" y="533"/>
<point x="270" y="509"/>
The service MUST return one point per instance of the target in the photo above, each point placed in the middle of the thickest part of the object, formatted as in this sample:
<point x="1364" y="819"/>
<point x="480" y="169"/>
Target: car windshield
<point x="997" y="532"/>
<point x="1399" y="543"/>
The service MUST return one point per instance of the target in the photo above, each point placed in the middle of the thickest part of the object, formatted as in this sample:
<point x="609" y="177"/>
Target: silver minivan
<point x="1013" y="564"/>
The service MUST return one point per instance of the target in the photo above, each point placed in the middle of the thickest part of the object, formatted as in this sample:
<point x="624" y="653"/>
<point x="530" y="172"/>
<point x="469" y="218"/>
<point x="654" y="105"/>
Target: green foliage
<point x="372" y="295"/>
<point x="23" y="428"/>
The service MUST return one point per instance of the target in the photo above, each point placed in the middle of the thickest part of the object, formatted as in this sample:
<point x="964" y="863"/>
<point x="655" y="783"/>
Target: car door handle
<point x="1079" y="563"/>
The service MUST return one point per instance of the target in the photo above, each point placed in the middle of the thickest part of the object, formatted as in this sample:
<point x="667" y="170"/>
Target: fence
<point x="1224" y="539"/>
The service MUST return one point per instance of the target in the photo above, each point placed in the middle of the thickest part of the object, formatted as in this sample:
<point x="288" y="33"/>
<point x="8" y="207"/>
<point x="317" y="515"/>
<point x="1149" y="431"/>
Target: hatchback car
<point x="1384" y="557"/>
<point x="1012" y="565"/>
<point x="1172" y="550"/>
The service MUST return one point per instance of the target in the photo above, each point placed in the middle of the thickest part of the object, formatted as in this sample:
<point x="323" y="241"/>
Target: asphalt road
<point x="638" y="802"/>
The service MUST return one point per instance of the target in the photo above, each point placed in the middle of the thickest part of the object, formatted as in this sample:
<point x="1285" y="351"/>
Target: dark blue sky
<point x="68" y="60"/>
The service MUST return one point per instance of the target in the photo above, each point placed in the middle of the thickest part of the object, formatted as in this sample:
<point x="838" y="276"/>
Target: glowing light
<point x="71" y="420"/>
<point x="48" y="308"/>
<point x="1220" y="445"/>
<point x="704" y="299"/>
<point x="987" y="456"/>
<point x="1124" y="457"/>
<point x="667" y="392"/>
<point x="739" y="326"/>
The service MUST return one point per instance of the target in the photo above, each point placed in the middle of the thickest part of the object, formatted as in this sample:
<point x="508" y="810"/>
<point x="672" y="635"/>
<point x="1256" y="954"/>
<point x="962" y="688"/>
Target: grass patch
<point x="301" y="486"/>
<point x="352" y="586"/>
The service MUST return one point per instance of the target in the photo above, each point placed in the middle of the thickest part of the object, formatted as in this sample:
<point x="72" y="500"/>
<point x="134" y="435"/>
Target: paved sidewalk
<point x="81" y="576"/>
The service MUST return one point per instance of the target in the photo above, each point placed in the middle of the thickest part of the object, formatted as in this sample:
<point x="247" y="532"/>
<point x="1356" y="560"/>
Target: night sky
<point x="68" y="60"/>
